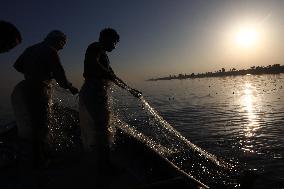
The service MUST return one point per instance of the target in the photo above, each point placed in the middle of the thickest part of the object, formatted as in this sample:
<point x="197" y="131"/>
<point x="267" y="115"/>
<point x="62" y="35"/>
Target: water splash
<point x="64" y="131"/>
<point x="170" y="129"/>
<point x="139" y="116"/>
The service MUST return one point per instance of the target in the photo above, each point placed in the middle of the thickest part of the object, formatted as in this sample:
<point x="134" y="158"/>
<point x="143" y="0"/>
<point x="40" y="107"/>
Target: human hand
<point x="135" y="93"/>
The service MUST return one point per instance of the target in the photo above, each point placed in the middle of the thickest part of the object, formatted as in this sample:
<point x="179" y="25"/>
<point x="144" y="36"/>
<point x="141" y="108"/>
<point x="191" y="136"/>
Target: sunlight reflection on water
<point x="248" y="100"/>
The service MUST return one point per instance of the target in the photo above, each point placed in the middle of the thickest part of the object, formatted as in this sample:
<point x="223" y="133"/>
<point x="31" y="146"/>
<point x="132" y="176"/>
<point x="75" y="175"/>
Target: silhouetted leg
<point x="94" y="122"/>
<point x="39" y="108"/>
<point x="30" y="108"/>
<point x="38" y="105"/>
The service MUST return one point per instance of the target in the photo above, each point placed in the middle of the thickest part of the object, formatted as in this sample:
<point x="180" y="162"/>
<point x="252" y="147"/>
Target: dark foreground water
<point x="238" y="119"/>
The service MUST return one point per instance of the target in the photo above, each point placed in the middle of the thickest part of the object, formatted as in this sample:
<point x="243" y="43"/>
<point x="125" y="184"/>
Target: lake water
<point x="238" y="119"/>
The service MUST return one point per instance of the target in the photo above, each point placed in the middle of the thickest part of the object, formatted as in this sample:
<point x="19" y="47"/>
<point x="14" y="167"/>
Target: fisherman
<point x="39" y="64"/>
<point x="93" y="106"/>
<point x="10" y="36"/>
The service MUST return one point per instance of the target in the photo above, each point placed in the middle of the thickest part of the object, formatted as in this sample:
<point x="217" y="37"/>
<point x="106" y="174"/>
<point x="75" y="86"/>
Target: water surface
<point x="239" y="119"/>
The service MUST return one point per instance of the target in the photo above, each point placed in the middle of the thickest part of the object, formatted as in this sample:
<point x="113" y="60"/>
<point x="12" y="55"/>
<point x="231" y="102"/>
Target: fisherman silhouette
<point x="93" y="106"/>
<point x="30" y="98"/>
<point x="10" y="36"/>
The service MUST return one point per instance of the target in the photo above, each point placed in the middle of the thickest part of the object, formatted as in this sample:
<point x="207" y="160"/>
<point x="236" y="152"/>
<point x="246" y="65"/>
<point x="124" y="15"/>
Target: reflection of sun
<point x="253" y="125"/>
<point x="246" y="37"/>
<point x="252" y="117"/>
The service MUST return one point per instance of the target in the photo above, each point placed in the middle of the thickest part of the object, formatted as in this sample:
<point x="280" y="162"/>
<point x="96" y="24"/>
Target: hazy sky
<point x="158" y="37"/>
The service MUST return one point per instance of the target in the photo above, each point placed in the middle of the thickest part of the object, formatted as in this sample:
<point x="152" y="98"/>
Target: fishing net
<point x="137" y="118"/>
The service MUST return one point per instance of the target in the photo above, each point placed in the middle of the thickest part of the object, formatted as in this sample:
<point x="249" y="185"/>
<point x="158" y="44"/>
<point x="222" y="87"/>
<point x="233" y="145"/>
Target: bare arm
<point x="59" y="74"/>
<point x="119" y="82"/>
<point x="92" y="62"/>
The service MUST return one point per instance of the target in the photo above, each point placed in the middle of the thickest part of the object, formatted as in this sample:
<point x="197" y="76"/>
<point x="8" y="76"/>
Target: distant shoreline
<point x="259" y="70"/>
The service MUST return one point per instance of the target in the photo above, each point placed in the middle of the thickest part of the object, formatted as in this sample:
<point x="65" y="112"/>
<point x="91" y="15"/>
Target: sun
<point x="246" y="37"/>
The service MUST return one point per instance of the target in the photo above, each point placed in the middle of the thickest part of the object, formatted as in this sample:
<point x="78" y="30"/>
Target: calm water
<point x="240" y="114"/>
<point x="238" y="119"/>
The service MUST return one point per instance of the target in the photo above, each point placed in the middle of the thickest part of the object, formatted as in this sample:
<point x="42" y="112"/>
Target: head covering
<point x="55" y="34"/>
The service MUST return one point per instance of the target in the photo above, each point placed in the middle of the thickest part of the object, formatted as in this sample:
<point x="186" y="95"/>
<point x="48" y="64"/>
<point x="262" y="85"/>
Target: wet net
<point x="137" y="118"/>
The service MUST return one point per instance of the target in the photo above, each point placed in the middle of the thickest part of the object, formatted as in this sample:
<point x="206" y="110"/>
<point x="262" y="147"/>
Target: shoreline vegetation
<point x="254" y="70"/>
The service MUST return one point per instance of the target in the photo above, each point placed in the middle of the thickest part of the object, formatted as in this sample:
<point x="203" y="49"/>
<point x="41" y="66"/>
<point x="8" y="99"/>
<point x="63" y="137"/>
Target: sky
<point x="157" y="38"/>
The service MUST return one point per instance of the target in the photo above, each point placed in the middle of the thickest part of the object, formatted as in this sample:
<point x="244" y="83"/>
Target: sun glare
<point x="246" y="37"/>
